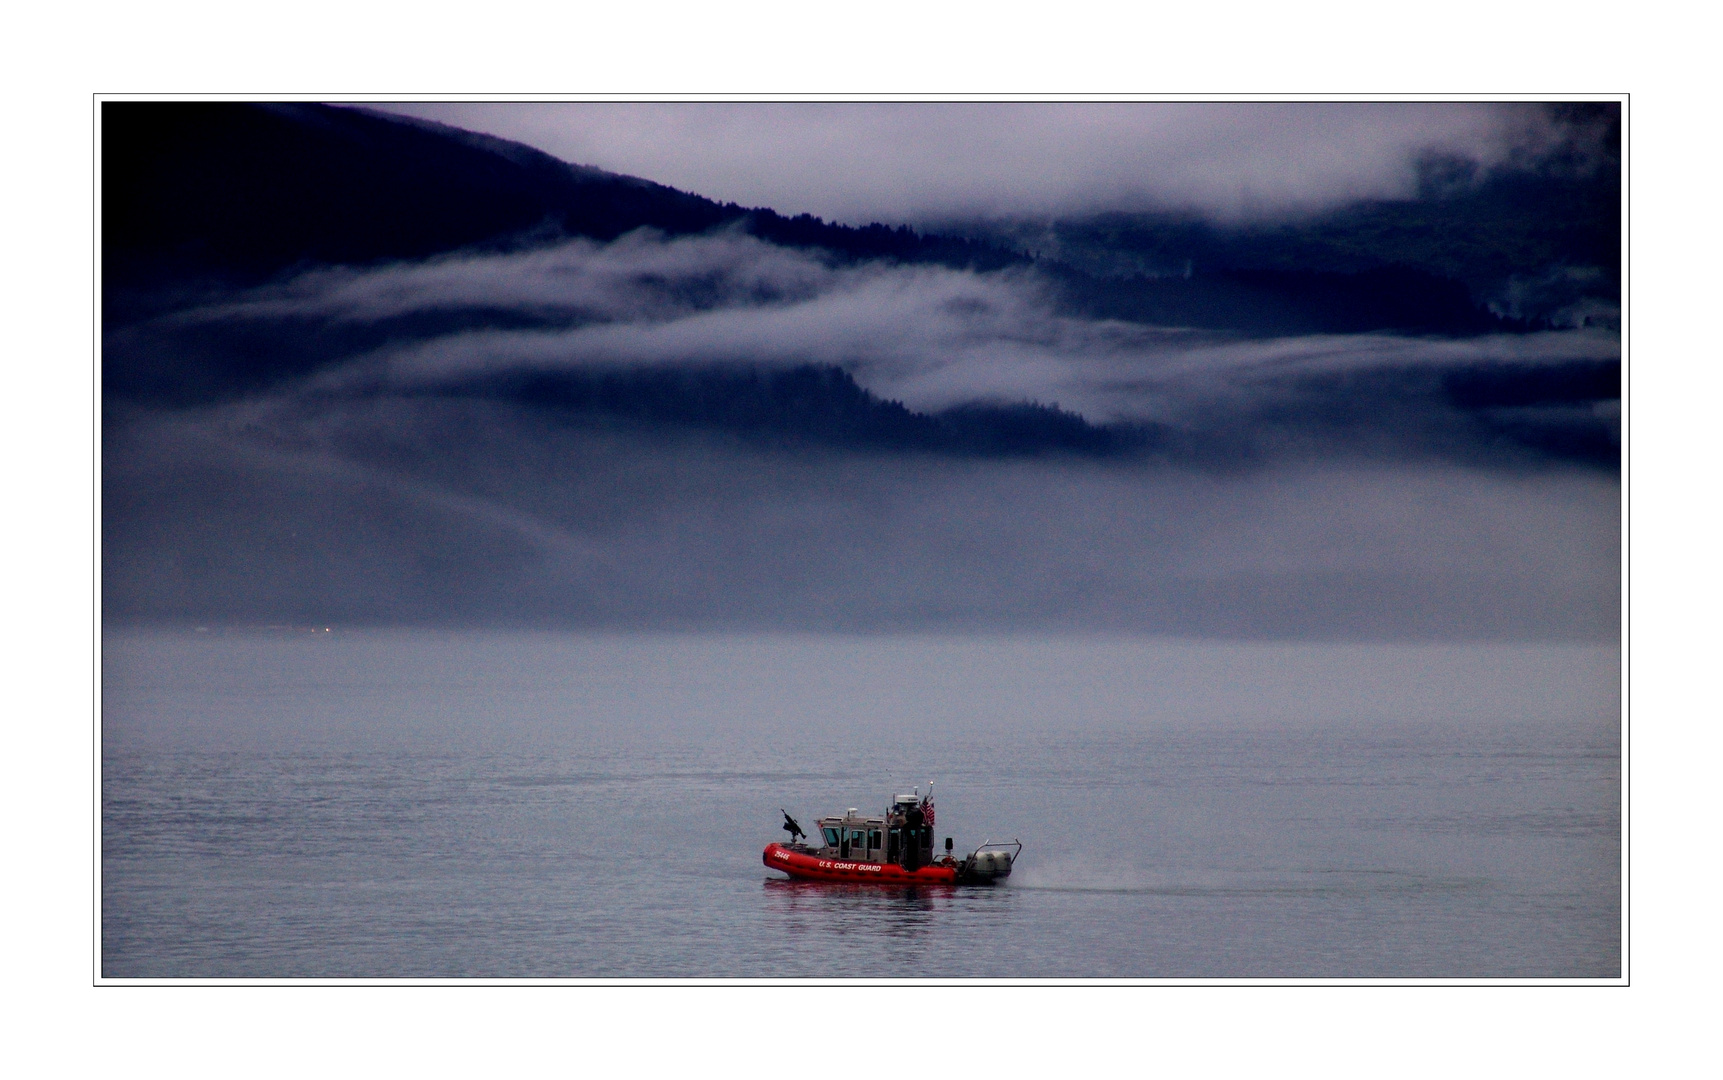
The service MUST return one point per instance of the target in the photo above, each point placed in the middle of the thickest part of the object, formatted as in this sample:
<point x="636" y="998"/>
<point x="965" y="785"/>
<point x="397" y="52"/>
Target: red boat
<point x="895" y="849"/>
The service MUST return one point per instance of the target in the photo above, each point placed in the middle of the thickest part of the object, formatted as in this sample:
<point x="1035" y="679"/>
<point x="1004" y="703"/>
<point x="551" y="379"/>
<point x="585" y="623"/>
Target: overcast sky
<point x="921" y="163"/>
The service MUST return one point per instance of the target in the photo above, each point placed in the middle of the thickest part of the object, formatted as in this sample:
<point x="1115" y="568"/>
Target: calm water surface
<point x="369" y="804"/>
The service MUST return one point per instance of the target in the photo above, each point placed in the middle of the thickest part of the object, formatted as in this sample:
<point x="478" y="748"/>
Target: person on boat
<point x="913" y="820"/>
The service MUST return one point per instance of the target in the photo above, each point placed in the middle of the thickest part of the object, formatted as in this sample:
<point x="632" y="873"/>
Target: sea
<point x="335" y="803"/>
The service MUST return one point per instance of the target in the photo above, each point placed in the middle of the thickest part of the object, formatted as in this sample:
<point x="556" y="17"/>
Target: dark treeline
<point x="876" y="241"/>
<point x="1525" y="411"/>
<point x="1387" y="298"/>
<point x="188" y="363"/>
<point x="1518" y="385"/>
<point x="809" y="404"/>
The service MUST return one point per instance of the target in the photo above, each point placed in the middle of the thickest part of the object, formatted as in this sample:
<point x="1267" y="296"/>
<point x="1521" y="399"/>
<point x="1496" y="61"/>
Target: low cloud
<point x="451" y="511"/>
<point x="926" y="163"/>
<point x="929" y="336"/>
<point x="638" y="278"/>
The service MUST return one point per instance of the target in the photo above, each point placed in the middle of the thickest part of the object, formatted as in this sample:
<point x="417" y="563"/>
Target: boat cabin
<point x="903" y="836"/>
<point x="853" y="837"/>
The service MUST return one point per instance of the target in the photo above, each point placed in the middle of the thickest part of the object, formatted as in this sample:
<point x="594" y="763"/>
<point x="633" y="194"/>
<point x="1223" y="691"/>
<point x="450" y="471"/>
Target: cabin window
<point x="857" y="838"/>
<point x="873" y="839"/>
<point x="831" y="836"/>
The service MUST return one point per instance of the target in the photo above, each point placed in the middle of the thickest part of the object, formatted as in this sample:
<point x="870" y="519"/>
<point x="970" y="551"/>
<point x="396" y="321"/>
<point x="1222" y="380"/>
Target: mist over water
<point x="301" y="803"/>
<point x="273" y="512"/>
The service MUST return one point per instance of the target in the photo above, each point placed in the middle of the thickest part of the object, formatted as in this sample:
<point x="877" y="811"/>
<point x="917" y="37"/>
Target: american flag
<point x="927" y="808"/>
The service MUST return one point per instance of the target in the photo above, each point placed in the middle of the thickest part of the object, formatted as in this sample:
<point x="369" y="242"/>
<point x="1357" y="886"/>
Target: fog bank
<point x="922" y="163"/>
<point x="302" y="513"/>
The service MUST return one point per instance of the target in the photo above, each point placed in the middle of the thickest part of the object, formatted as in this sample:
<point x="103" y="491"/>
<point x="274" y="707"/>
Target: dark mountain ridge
<point x="203" y="199"/>
<point x="204" y="195"/>
<point x="237" y="193"/>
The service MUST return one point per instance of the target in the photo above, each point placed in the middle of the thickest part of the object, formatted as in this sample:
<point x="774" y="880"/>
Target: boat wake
<point x="1208" y="882"/>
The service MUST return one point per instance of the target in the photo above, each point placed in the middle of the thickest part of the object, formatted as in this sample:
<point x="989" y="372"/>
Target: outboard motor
<point x="988" y="864"/>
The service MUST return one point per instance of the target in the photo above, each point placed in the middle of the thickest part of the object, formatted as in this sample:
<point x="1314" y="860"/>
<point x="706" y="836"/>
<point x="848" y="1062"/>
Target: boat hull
<point x="799" y="864"/>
